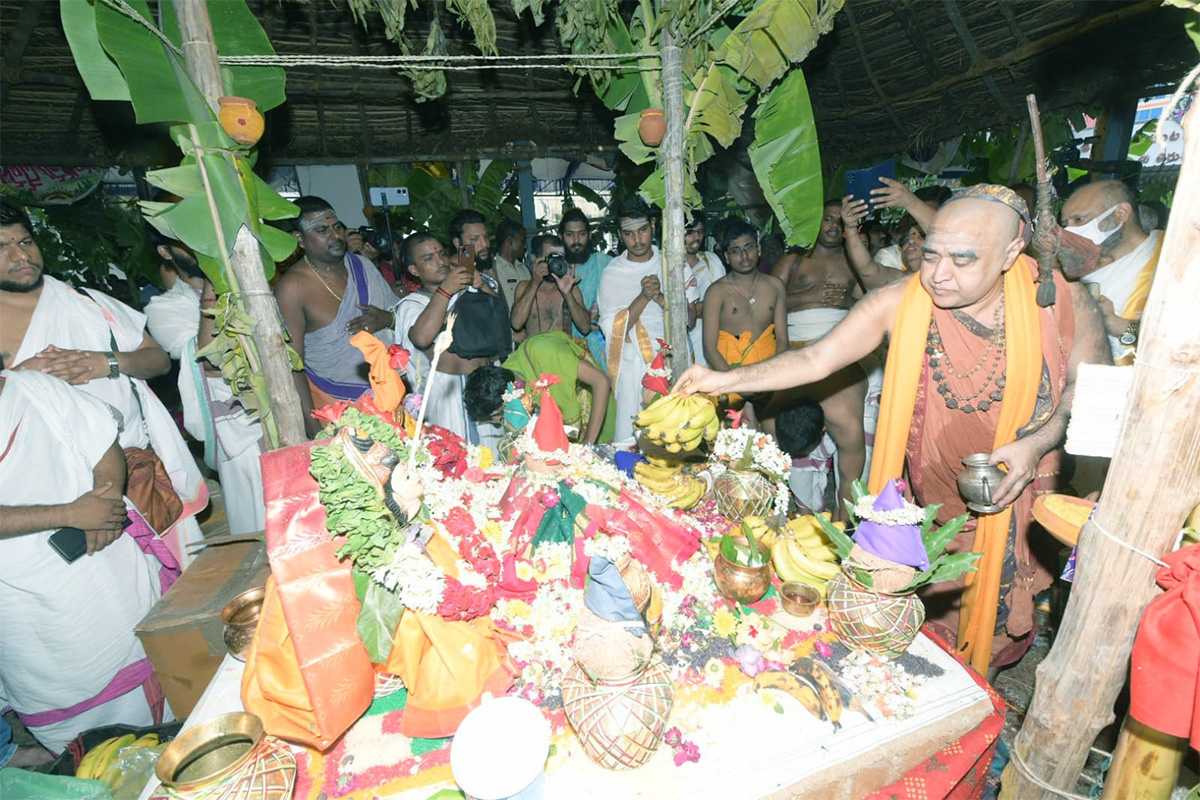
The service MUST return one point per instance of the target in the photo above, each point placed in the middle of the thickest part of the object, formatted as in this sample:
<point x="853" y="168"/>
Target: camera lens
<point x="557" y="264"/>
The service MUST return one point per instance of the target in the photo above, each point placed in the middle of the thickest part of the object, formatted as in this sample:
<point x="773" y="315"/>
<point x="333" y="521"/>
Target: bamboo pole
<point x="1151" y="487"/>
<point x="283" y="416"/>
<point x="673" y="255"/>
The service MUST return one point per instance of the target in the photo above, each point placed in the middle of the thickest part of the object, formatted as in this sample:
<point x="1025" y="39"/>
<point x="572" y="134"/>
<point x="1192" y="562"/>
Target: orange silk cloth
<point x="740" y="351"/>
<point x="386" y="383"/>
<point x="915" y="426"/>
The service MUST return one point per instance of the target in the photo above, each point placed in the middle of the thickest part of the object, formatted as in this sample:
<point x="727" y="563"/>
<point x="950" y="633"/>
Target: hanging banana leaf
<point x="786" y="159"/>
<point x="775" y="35"/>
<point x="630" y="141"/>
<point x="534" y="7"/>
<point x="476" y="15"/>
<point x="100" y="73"/>
<point x="589" y="195"/>
<point x="717" y="106"/>
<point x="429" y="84"/>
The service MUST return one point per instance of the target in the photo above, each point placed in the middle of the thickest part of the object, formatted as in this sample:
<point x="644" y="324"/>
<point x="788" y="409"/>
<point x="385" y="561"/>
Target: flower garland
<point x="910" y="514"/>
<point x="417" y="581"/>
<point x="754" y="451"/>
<point x="473" y="593"/>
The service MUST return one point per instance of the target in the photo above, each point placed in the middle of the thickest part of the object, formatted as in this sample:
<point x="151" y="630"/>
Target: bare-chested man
<point x="325" y="298"/>
<point x="548" y="301"/>
<point x="821" y="288"/>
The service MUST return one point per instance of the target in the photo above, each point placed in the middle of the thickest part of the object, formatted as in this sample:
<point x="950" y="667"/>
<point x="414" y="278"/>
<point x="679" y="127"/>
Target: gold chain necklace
<point x="753" y="287"/>
<point x="322" y="280"/>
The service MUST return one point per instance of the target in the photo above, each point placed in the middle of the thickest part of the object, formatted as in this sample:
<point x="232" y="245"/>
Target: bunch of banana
<point x="96" y="762"/>
<point x="811" y="685"/>
<point x="764" y="533"/>
<point x="679" y="423"/>
<point x="677" y="489"/>
<point x="803" y="553"/>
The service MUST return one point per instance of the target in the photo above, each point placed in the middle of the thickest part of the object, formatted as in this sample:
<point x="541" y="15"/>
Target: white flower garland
<point x="419" y="583"/>
<point x="910" y="514"/>
<point x="767" y="457"/>
<point x="614" y="548"/>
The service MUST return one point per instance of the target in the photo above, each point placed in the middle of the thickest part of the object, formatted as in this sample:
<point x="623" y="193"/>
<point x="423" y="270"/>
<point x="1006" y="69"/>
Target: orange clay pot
<point x="241" y="119"/>
<point x="652" y="127"/>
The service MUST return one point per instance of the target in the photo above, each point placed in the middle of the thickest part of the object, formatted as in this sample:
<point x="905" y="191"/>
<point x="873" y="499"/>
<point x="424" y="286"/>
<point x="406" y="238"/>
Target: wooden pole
<point x="1152" y="486"/>
<point x="1145" y="764"/>
<point x="245" y="261"/>
<point x="671" y="155"/>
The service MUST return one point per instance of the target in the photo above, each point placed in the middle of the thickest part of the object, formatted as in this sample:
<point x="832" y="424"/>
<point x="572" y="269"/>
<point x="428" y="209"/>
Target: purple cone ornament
<point x="900" y="543"/>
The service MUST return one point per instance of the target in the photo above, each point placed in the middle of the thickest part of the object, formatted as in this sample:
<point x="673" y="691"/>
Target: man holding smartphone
<point x="70" y="659"/>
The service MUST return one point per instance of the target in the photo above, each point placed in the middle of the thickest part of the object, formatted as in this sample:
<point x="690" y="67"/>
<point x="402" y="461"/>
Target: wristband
<point x="444" y="293"/>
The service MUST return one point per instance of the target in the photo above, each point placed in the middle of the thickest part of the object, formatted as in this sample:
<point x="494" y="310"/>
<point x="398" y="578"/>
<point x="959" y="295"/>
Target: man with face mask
<point x="1103" y="216"/>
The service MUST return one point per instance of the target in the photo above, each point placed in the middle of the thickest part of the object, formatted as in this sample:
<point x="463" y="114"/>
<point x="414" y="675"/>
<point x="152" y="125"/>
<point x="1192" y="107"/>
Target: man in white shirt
<point x="511" y="270"/>
<point x="233" y="440"/>
<point x="708" y="269"/>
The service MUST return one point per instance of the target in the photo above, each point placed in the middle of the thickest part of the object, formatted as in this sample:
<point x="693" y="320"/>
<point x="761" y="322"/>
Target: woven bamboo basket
<point x="742" y="494"/>
<point x="876" y="622"/>
<point x="619" y="722"/>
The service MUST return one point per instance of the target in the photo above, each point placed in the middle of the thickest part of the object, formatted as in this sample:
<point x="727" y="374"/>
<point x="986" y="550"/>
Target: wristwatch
<point x="1130" y="336"/>
<point x="114" y="368"/>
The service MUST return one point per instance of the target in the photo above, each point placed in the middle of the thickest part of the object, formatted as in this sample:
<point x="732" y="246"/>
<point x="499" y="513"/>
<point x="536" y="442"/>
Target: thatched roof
<point x="891" y="75"/>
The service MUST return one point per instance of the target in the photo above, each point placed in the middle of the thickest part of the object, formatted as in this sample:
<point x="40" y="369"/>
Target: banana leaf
<point x="489" y="188"/>
<point x="775" y="35"/>
<point x="786" y="159"/>
<point x="237" y="32"/>
<point x="534" y="7"/>
<point x="591" y="196"/>
<point x="476" y="15"/>
<point x="626" y="131"/>
<point x="159" y="86"/>
<point x="842" y="542"/>
<point x="718" y="105"/>
<point x="100" y="73"/>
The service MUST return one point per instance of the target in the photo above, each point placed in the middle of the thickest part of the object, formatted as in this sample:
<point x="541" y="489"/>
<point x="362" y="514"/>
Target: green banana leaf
<point x="534" y="7"/>
<point x="476" y="15"/>
<point x="719" y="107"/>
<point x="586" y="193"/>
<point x="159" y="86"/>
<point x="377" y="619"/>
<point x="786" y="159"/>
<point x="99" y="72"/>
<point x="775" y="35"/>
<point x="630" y="141"/>
<point x="237" y="32"/>
<point x="489" y="189"/>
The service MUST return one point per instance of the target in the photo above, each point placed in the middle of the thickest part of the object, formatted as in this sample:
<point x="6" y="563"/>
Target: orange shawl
<point x="1026" y="351"/>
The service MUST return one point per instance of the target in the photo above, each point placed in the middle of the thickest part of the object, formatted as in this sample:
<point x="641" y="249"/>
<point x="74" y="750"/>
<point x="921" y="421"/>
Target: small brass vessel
<point x="978" y="481"/>
<point x="742" y="584"/>
<point x="209" y="751"/>
<point x="799" y="599"/>
<point x="240" y="616"/>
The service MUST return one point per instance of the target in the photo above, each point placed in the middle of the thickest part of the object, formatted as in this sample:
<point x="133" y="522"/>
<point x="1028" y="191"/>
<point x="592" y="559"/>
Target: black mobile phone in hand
<point x="70" y="543"/>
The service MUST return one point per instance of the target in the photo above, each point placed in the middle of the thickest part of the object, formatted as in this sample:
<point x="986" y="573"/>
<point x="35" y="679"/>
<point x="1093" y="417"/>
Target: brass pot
<point x="742" y="584"/>
<point x="978" y="481"/>
<point x="206" y="753"/>
<point x="240" y="616"/>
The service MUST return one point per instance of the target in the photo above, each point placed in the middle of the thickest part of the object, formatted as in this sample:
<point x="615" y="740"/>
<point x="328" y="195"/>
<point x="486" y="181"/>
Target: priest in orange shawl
<point x="974" y="365"/>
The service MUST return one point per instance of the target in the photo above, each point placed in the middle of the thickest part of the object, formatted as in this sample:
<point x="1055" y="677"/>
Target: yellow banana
<point x="149" y="740"/>
<point x="831" y="698"/>
<point x="792" y="684"/>
<point x="820" y="569"/>
<point x="673" y="447"/>
<point x="688" y="498"/>
<point x="657" y="410"/>
<point x="660" y="486"/>
<point x="819" y="552"/>
<point x="97" y="759"/>
<point x="653" y="474"/>
<point x="659" y="461"/>
<point x="87" y="764"/>
<point x="785" y="566"/>
<point x="712" y="428"/>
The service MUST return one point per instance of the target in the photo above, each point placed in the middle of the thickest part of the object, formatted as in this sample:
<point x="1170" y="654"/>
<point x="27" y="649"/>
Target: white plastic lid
<point x="499" y="748"/>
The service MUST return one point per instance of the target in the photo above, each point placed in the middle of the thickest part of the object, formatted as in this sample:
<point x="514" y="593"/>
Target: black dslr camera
<point x="557" y="264"/>
<point x="377" y="239"/>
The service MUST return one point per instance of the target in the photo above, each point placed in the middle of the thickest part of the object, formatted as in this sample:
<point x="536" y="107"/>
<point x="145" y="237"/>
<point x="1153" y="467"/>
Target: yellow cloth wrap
<point x="1137" y="299"/>
<point x="617" y="344"/>
<point x="904" y="370"/>
<point x="740" y="351"/>
<point x="385" y="380"/>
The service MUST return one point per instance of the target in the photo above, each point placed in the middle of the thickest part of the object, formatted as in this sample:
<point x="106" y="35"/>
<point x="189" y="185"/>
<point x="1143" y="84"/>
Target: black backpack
<point x="482" y="328"/>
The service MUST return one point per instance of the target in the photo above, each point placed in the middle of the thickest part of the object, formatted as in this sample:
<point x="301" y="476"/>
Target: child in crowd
<point x="800" y="429"/>
<point x="745" y="318"/>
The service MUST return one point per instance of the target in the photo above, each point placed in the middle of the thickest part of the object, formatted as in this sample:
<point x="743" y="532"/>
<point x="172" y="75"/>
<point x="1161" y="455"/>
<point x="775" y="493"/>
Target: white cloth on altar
<point x="1118" y="279"/>
<point x="67" y="629"/>
<point x="72" y="320"/>
<point x="620" y="284"/>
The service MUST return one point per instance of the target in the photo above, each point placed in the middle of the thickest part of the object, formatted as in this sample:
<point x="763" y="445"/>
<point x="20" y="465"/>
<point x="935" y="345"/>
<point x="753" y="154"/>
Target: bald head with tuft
<point x="972" y="242"/>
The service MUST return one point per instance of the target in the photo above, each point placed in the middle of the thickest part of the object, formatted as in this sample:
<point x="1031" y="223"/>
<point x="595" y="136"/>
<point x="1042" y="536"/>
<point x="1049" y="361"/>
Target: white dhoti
<point x="69" y="659"/>
<point x="811" y="324"/>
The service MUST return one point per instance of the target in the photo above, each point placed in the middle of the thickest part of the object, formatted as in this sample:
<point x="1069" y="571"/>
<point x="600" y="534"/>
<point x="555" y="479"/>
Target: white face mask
<point x="1091" y="230"/>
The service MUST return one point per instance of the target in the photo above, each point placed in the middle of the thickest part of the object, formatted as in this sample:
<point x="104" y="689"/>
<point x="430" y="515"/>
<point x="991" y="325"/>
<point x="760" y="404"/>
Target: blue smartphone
<point x="860" y="182"/>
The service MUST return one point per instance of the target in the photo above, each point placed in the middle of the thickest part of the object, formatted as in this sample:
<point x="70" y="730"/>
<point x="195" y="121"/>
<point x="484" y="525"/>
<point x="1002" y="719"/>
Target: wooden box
<point x="182" y="633"/>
